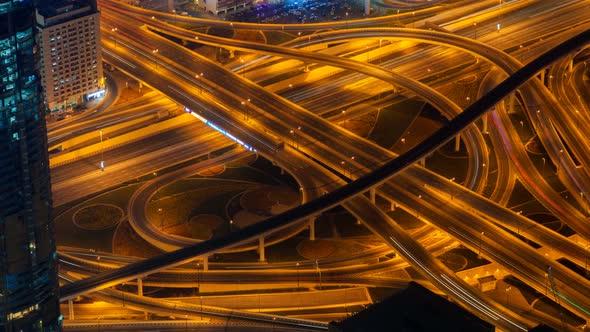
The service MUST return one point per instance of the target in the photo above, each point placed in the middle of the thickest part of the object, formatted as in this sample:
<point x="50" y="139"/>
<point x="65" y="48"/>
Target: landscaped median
<point x="127" y="138"/>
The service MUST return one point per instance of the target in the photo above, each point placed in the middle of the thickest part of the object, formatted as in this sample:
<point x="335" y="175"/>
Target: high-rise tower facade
<point x="69" y="45"/>
<point x="29" y="298"/>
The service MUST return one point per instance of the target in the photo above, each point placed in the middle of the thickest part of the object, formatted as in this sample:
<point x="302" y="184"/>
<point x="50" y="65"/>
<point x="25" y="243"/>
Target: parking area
<point x="302" y="11"/>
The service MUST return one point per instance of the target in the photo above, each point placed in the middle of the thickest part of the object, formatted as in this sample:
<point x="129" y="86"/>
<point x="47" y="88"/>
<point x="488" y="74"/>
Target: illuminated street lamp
<point x="114" y="30"/>
<point x="347" y="20"/>
<point x="155" y="51"/>
<point x="161" y="219"/>
<point x="297" y="265"/>
<point x="198" y="77"/>
<point x="480" y="244"/>
<point x="101" y="152"/>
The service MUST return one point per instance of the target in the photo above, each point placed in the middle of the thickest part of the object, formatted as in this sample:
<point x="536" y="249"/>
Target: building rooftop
<point x="413" y="308"/>
<point x="56" y="11"/>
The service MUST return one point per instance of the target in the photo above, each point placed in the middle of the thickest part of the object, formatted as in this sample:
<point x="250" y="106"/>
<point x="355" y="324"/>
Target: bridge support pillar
<point x="457" y="143"/>
<point x="392" y="206"/>
<point x="261" y="257"/>
<point x="71" y="309"/>
<point x="542" y="76"/>
<point x="423" y="161"/>
<point x="306" y="69"/>
<point x="139" y="287"/>
<point x="484" y="119"/>
<point x="231" y="54"/>
<point x="570" y="65"/>
<point x="205" y="263"/>
<point x="367" y="7"/>
<point x="372" y="193"/>
<point x="312" y="228"/>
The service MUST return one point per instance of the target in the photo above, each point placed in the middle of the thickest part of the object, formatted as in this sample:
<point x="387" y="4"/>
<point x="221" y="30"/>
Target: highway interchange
<point x="250" y="111"/>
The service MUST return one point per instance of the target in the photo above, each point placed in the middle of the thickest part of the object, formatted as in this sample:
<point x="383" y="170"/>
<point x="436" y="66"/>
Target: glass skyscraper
<point x="29" y="298"/>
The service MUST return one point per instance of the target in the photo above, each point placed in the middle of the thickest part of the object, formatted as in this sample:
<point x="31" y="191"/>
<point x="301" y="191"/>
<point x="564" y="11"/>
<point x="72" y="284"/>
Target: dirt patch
<point x="212" y="171"/>
<point x="98" y="217"/>
<point x="127" y="243"/>
<point x="261" y="201"/>
<point x="316" y="249"/>
<point x="362" y="125"/>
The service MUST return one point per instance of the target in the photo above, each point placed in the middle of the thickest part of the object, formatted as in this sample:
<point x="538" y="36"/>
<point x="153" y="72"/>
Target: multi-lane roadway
<point x="365" y="159"/>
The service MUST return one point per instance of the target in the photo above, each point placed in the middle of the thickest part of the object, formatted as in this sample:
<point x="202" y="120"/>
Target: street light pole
<point x="295" y="140"/>
<point x="155" y="51"/>
<point x="114" y="30"/>
<point x="198" y="277"/>
<point x="245" y="110"/>
<point x="297" y="265"/>
<point x="101" y="152"/>
<point x="508" y="294"/>
<point x="198" y="77"/>
<point x="480" y="244"/>
<point x="317" y="265"/>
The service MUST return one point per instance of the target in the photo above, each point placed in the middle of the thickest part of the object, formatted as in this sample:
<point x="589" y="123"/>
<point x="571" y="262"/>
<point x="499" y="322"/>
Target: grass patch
<point x="67" y="234"/>
<point x="250" y="35"/>
<point x="221" y="32"/>
<point x="98" y="217"/>
<point x="179" y="208"/>
<point x="393" y="121"/>
<point x="277" y="37"/>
